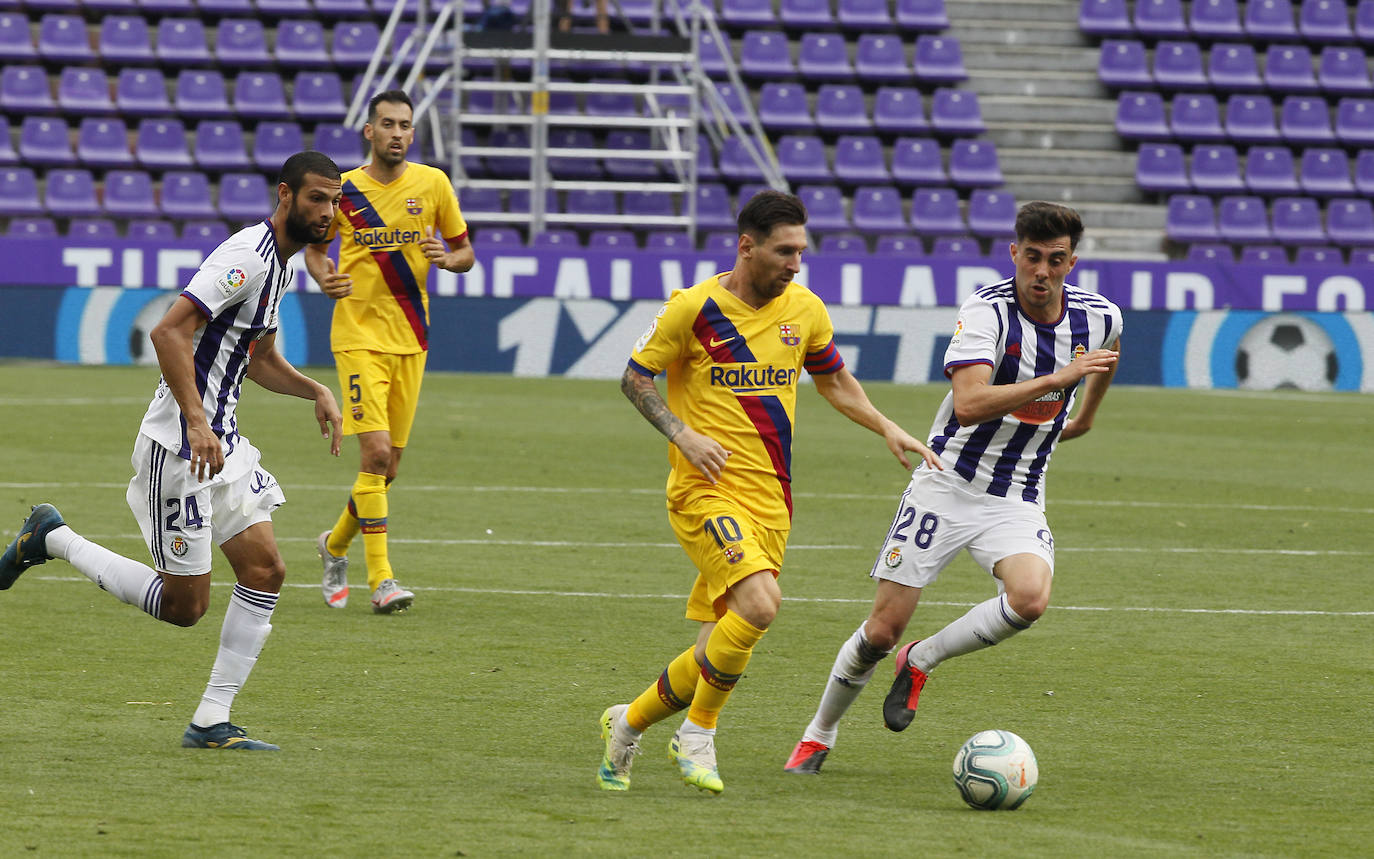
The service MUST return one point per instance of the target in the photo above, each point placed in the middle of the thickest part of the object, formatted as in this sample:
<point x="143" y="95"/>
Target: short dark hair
<point x="1044" y="222"/>
<point x="395" y="96"/>
<point x="294" y="171"/>
<point x="767" y="209"/>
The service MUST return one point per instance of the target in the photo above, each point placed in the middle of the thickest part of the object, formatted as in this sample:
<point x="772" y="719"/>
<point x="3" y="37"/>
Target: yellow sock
<point x="671" y="694"/>
<point x="727" y="653"/>
<point x="341" y="537"/>
<point x="369" y="498"/>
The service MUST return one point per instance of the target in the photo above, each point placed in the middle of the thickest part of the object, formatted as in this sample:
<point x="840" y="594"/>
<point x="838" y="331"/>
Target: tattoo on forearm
<point x="644" y="394"/>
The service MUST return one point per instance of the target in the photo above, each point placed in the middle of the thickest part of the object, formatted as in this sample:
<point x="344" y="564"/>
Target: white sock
<point x="247" y="622"/>
<point x="690" y="727"/>
<point x="129" y="581"/>
<point x="854" y="666"/>
<point x="622" y="727"/>
<point x="982" y="626"/>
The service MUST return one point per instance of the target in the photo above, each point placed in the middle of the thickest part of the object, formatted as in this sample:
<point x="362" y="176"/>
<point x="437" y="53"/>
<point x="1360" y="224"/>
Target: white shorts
<point x="937" y="516"/>
<point x="180" y="516"/>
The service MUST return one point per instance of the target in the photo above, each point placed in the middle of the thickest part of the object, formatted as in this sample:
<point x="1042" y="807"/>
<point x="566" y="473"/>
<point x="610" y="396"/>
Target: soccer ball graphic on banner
<point x="995" y="770"/>
<point x="1286" y="351"/>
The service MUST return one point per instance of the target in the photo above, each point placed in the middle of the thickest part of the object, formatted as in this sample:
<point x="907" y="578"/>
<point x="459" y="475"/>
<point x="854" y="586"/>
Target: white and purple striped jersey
<point x="1007" y="456"/>
<point x="238" y="288"/>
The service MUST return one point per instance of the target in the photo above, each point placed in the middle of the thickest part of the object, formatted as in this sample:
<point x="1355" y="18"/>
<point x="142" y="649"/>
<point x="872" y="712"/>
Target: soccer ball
<point x="1286" y="351"/>
<point x="995" y="770"/>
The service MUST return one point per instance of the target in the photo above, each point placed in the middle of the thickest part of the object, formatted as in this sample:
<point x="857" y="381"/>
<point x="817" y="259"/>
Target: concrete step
<point x="1036" y="83"/>
<point x="1013" y="12"/>
<point x="1097" y="163"/>
<point x="1071" y="190"/>
<point x="1034" y="33"/>
<point x="1050" y="59"/>
<point x="1063" y="111"/>
<point x="1100" y="244"/>
<point x="1047" y="135"/>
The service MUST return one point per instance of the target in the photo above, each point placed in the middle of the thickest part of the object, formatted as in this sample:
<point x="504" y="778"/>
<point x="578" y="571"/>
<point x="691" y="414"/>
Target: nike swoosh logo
<point x="715" y="342"/>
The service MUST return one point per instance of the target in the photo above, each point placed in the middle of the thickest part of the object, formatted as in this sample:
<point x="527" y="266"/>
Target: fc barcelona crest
<point x="788" y="335"/>
<point x="413" y="206"/>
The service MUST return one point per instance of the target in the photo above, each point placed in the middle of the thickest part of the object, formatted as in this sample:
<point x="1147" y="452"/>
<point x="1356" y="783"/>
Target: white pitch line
<point x="831" y="600"/>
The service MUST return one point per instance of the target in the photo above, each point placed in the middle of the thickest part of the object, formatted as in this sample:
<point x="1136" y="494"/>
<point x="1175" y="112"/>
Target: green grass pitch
<point x="1203" y="683"/>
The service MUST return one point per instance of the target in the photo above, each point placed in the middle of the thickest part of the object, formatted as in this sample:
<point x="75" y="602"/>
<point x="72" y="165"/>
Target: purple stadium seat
<point x="244" y="197"/>
<point x="241" y="43"/>
<point x="649" y="204"/>
<point x="25" y="90"/>
<point x="124" y="39"/>
<point x="591" y="207"/>
<point x="1250" y="119"/>
<point x="564" y="166"/>
<point x="219" y="145"/>
<point x="1364" y="21"/>
<point x="824" y="207"/>
<point x="1234" y="68"/>
<point x="1298" y="221"/>
<point x="840" y="108"/>
<point x="162" y="144"/>
<point x="205" y="231"/>
<point x="1355" y="122"/>
<point x="1196" y="117"/>
<point x="939" y="60"/>
<point x="92" y="229"/>
<point x="1350" y="221"/>
<point x="916" y="161"/>
<point x="32" y="228"/>
<point x="1270" y="21"/>
<point x="1269" y="171"/>
<point x="721" y="242"/>
<point x="743" y="14"/>
<point x="201" y="93"/>
<point x="1306" y="121"/>
<point x="707" y="171"/>
<point x="142" y="92"/>
<point x="71" y="194"/>
<point x="186" y="194"/>
<point x="974" y="164"/>
<point x="956" y="112"/>
<point x="1208" y="252"/>
<point x="1105" y="18"/>
<point x="354" y="42"/>
<point x="843" y="243"/>
<point x="612" y="240"/>
<point x="1288" y="69"/>
<point x="486" y="200"/>
<point x="103" y="142"/>
<point x="1121" y="64"/>
<point x="881" y="58"/>
<point x="340" y="143"/>
<point x="715" y="209"/>
<point x="806" y="15"/>
<point x="736" y="164"/>
<point x="860" y="160"/>
<point x="606" y="103"/>
<point x="734" y="101"/>
<point x="508" y="166"/>
<point x="84" y="91"/>
<point x="1319" y="255"/>
<point x="341" y="8"/>
<point x="1160" y="169"/>
<point x="260" y="95"/>
<point x="1140" y="116"/>
<point x="223" y="8"/>
<point x="283" y="8"/>
<point x="863" y="15"/>
<point x="898" y="110"/>
<point x="62" y="38"/>
<point x="955" y="246"/>
<point x="7" y="154"/>
<point x="992" y="214"/>
<point x="824" y="57"/>
<point x="19" y="192"/>
<point x="1325" y="21"/>
<point x="300" y="43"/>
<point x="1215" y="19"/>
<point x="632" y="168"/>
<point x="181" y="42"/>
<point x="923" y="15"/>
<point x="1216" y="170"/>
<point x="1160" y="19"/>
<point x="155" y="7"/>
<point x="16" y="44"/>
<point x="556" y="238"/>
<point x="899" y="245"/>
<point x="501" y="237"/>
<point x="1344" y="71"/>
<point x="1191" y="218"/>
<point x="318" y="96"/>
<point x="802" y="159"/>
<point x="670" y="242"/>
<point x="1326" y="173"/>
<point x="766" y="54"/>
<point x="1243" y="220"/>
<point x="935" y="212"/>
<point x="1263" y="255"/>
<point x="129" y="194"/>
<point x="274" y="142"/>
<point x="46" y="141"/>
<point x="710" y="59"/>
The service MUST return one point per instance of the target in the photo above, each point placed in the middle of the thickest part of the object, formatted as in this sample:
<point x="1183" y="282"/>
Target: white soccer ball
<point x="1286" y="351"/>
<point x="995" y="770"/>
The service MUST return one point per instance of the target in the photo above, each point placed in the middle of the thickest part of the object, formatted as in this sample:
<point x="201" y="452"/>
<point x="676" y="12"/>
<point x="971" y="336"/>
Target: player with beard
<point x="733" y="347"/>
<point x="197" y="480"/>
<point x="389" y="226"/>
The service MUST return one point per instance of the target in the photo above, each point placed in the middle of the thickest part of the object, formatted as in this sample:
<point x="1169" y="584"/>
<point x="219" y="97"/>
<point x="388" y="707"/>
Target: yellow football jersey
<point x="380" y="228"/>
<point x="732" y="376"/>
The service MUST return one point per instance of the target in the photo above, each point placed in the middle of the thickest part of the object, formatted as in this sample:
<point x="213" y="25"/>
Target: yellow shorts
<point x="380" y="391"/>
<point x="725" y="546"/>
